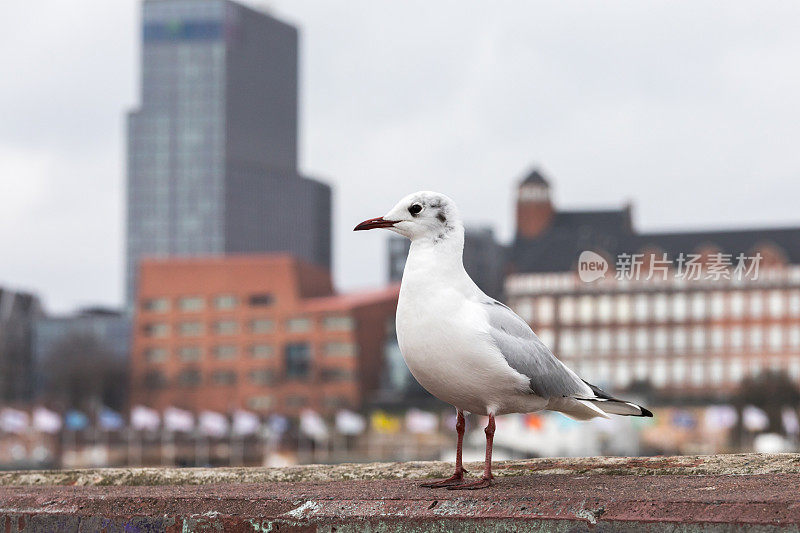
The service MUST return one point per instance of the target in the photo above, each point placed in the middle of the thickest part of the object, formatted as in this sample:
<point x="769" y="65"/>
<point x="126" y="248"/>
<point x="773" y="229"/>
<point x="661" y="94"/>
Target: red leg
<point x="486" y="479"/>
<point x="458" y="476"/>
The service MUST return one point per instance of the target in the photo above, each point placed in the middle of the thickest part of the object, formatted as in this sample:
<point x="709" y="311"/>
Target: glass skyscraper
<point x="212" y="150"/>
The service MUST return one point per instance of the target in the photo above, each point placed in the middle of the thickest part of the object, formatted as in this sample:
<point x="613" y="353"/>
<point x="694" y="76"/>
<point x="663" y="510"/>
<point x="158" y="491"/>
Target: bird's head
<point x="422" y="215"/>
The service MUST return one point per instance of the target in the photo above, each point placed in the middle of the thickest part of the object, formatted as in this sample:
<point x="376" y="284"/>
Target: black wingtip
<point x="646" y="412"/>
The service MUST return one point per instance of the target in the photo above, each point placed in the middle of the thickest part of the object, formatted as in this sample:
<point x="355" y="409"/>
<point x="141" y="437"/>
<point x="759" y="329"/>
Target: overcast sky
<point x="686" y="109"/>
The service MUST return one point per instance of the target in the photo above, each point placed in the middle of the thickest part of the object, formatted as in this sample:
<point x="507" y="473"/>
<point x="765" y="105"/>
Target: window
<point x="262" y="351"/>
<point x="717" y="305"/>
<point x="545" y="310"/>
<point x="623" y="309"/>
<point x="737" y="338"/>
<point x="190" y="353"/>
<point x="586" y="341"/>
<point x="226" y="327"/>
<point x="736" y="307"/>
<point x="223" y="377"/>
<point x="716" y="371"/>
<point x="623" y="340"/>
<point x="225" y="351"/>
<point x="794" y="336"/>
<point x="155" y="379"/>
<point x="338" y="323"/>
<point x="297" y="325"/>
<point x="566" y="309"/>
<point x="156" y="355"/>
<point x="622" y="375"/>
<point x="794" y="368"/>
<point x="190" y="329"/>
<point x="296" y="401"/>
<point x="642" y="340"/>
<point x="262" y="376"/>
<point x="191" y="303"/>
<point x="157" y="330"/>
<point x="337" y="374"/>
<point x="260" y="300"/>
<point x="794" y="303"/>
<point x="698" y="306"/>
<point x="661" y="307"/>
<point x="604" y="341"/>
<point x="698" y="374"/>
<point x="225" y="301"/>
<point x="347" y="349"/>
<point x="756" y="304"/>
<point x="156" y="305"/>
<point x="679" y="370"/>
<point x="659" y="375"/>
<point x="567" y="343"/>
<point x="660" y="340"/>
<point x="335" y="402"/>
<point x="641" y="310"/>
<point x="259" y="403"/>
<point x="298" y="360"/>
<point x="679" y="307"/>
<point x="756" y="337"/>
<point x="586" y="309"/>
<point x="776" y="338"/>
<point x="189" y="377"/>
<point x="736" y="370"/>
<point x="717" y="338"/>
<point x="262" y="325"/>
<point x="679" y="339"/>
<point x="776" y="304"/>
<point x="698" y="339"/>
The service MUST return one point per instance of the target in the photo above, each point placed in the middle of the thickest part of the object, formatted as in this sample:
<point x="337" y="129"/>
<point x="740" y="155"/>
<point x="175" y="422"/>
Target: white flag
<point x="754" y="419"/>
<point x="245" y="422"/>
<point x="46" y="421"/>
<point x="178" y="420"/>
<point x="312" y="425"/>
<point x="14" y="420"/>
<point x="144" y="418"/>
<point x="720" y="417"/>
<point x="213" y="424"/>
<point x="790" y="422"/>
<point x="350" y="423"/>
<point x="421" y="421"/>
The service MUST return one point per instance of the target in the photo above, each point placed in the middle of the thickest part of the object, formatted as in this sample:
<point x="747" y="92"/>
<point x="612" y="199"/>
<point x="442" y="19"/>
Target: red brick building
<point x="686" y="335"/>
<point x="265" y="333"/>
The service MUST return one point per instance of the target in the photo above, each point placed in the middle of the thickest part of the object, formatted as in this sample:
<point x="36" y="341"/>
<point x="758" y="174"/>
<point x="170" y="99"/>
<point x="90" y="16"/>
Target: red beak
<point x="375" y="223"/>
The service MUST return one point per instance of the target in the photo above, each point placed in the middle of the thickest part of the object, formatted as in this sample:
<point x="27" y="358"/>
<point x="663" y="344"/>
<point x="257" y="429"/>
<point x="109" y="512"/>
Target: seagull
<point x="468" y="349"/>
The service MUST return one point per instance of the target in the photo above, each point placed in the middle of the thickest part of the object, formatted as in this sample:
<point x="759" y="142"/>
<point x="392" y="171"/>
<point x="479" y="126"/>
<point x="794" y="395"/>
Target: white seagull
<point x="468" y="349"/>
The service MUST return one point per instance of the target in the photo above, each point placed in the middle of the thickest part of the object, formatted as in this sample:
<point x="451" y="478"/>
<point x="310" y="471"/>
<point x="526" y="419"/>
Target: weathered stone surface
<point x="716" y="493"/>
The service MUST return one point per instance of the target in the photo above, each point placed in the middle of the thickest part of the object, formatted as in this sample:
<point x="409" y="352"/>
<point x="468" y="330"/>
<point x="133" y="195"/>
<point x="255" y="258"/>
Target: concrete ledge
<point x="714" y="493"/>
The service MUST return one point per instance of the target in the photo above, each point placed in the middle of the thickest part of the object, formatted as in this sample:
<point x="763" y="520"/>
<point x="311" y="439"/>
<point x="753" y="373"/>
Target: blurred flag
<point x="790" y="422"/>
<point x="14" y="420"/>
<point x="178" y="420"/>
<point x="212" y="424"/>
<point x="75" y="420"/>
<point x="144" y="418"/>
<point x="534" y="422"/>
<point x="418" y="421"/>
<point x="383" y="423"/>
<point x="277" y="424"/>
<point x="46" y="421"/>
<point x="754" y="419"/>
<point x="109" y="420"/>
<point x="350" y="423"/>
<point x="718" y="417"/>
<point x="683" y="419"/>
<point x="245" y="422"/>
<point x="312" y="425"/>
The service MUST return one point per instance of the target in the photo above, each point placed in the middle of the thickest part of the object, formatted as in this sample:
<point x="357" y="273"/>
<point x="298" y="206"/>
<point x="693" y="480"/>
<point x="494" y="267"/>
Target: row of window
<point x="160" y="354"/>
<point x="256" y="325"/>
<point x="192" y="377"/>
<point x="680" y="371"/>
<point x="584" y="341"/>
<point x="676" y="307"/>
<point x="296" y="401"/>
<point x="221" y="302"/>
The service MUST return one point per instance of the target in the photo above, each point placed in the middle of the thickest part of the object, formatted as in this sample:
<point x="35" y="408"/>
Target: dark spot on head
<point x="441" y="217"/>
<point x="436" y="204"/>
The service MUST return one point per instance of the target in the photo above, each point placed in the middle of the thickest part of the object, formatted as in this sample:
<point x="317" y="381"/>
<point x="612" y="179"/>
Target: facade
<point x="484" y="259"/>
<point x="212" y="149"/>
<point x="18" y="311"/>
<point x="260" y="332"/>
<point x="687" y="314"/>
<point x="111" y="328"/>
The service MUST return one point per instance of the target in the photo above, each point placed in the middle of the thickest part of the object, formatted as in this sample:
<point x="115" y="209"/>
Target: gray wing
<point x="528" y="355"/>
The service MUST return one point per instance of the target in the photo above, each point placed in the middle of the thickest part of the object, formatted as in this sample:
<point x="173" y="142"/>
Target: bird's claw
<point x="452" y="481"/>
<point x="482" y="483"/>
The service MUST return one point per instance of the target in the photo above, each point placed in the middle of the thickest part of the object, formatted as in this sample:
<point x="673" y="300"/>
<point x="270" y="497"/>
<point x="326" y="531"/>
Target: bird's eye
<point x="415" y="209"/>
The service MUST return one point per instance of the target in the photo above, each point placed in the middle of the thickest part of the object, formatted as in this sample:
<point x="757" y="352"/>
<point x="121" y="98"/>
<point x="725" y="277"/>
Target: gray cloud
<point x="686" y="109"/>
